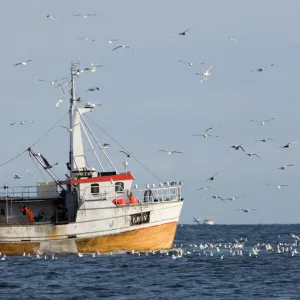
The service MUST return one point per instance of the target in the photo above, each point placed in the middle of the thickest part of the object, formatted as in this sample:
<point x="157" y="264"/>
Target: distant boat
<point x="208" y="222"/>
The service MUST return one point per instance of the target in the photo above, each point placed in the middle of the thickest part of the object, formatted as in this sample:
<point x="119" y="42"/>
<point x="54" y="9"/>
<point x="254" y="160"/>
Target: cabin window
<point x="119" y="187"/>
<point x="95" y="189"/>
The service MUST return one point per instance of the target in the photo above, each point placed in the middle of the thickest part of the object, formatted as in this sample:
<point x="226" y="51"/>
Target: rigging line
<point x="124" y="149"/>
<point x="8" y="161"/>
<point x="35" y="164"/>
<point x="18" y="155"/>
<point x="49" y="130"/>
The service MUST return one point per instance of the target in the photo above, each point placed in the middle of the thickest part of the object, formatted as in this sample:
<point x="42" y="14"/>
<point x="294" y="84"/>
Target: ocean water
<point x="209" y="273"/>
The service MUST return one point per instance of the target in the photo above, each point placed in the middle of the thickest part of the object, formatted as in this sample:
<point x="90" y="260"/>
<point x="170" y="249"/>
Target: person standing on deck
<point x="28" y="212"/>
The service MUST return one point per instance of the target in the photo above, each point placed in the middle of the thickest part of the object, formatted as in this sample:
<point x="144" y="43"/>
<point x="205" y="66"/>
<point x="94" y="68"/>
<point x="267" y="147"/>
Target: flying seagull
<point x="204" y="188"/>
<point x="262" y="122"/>
<point x="51" y="17"/>
<point x="21" y="122"/>
<point x="284" y="167"/>
<point x="58" y="103"/>
<point x="127" y="154"/>
<point x="123" y="46"/>
<point x="265" y="140"/>
<point x="47" y="165"/>
<point x="105" y="146"/>
<point x="205" y="135"/>
<point x="233" y="198"/>
<point x="92" y="105"/>
<point x="92" y="69"/>
<point x="278" y="186"/>
<point x="184" y="32"/>
<point x="250" y="154"/>
<point x="232" y="39"/>
<point x="84" y="16"/>
<point x="86" y="39"/>
<point x="213" y="177"/>
<point x="23" y="63"/>
<point x="93" y="89"/>
<point x="237" y="147"/>
<point x="111" y="41"/>
<point x="70" y="129"/>
<point x="294" y="236"/>
<point x="217" y="197"/>
<point x="288" y="145"/>
<point x="206" y="73"/>
<point x="246" y="210"/>
<point x="188" y="63"/>
<point x="171" y="152"/>
<point x="196" y="220"/>
<point x="16" y="176"/>
<point x="211" y="127"/>
<point x="261" y="69"/>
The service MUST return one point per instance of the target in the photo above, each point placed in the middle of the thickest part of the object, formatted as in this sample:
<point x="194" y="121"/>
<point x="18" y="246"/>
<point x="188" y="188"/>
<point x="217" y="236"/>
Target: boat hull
<point x="122" y="231"/>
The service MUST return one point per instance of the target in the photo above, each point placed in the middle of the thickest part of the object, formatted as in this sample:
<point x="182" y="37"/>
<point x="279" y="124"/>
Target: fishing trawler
<point x="90" y="210"/>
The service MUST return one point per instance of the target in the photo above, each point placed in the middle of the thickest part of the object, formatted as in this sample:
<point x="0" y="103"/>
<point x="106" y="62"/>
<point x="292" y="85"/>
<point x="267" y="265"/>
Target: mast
<point x="71" y="114"/>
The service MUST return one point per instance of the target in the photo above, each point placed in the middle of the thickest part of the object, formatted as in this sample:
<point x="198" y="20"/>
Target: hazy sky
<point x="151" y="101"/>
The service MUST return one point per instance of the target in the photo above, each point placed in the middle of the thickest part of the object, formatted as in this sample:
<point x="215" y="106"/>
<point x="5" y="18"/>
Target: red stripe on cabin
<point x="119" y="177"/>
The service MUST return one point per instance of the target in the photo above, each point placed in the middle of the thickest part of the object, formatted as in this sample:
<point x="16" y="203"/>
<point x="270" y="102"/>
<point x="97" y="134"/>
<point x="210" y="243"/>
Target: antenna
<point x="125" y="164"/>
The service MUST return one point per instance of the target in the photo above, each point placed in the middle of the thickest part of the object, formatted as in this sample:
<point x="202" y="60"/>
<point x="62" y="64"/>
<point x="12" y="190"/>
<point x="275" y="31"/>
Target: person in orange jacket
<point x="28" y="212"/>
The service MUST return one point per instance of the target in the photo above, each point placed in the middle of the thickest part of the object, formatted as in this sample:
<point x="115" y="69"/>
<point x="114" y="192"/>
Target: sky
<point x="151" y="101"/>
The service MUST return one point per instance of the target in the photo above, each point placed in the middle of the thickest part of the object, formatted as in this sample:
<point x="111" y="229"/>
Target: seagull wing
<point x="189" y="29"/>
<point x="176" y="152"/>
<point x="65" y="127"/>
<point x="124" y="152"/>
<point x="256" y="155"/>
<point x="163" y="150"/>
<point x="58" y="102"/>
<point x="269" y="120"/>
<point x="291" y="165"/>
<point x="185" y="62"/>
<point x="116" y="48"/>
<point x="242" y="148"/>
<point x="17" y="64"/>
<point x="209" y="69"/>
<point x="255" y="121"/>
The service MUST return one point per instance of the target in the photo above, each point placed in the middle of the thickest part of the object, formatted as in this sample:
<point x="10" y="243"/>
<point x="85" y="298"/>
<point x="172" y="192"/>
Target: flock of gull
<point x="64" y="82"/>
<point x="217" y="250"/>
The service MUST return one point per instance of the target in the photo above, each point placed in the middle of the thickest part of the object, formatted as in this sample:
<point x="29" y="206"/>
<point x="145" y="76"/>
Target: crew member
<point x="29" y="213"/>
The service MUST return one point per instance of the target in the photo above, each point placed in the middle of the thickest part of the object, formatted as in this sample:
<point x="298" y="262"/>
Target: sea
<point x="207" y="262"/>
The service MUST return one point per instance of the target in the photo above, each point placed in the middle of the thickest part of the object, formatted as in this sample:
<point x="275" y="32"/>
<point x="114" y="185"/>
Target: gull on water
<point x="246" y="210"/>
<point x="262" y="122"/>
<point x="213" y="177"/>
<point x="23" y="63"/>
<point x="288" y="145"/>
<point x="284" y="167"/>
<point x="250" y="154"/>
<point x="237" y="147"/>
<point x="265" y="140"/>
<point x="170" y="152"/>
<point x="184" y="32"/>
<point x="278" y="186"/>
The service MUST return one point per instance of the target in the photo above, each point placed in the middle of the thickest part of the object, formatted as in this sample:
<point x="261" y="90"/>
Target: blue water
<point x="269" y="275"/>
